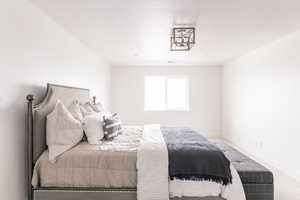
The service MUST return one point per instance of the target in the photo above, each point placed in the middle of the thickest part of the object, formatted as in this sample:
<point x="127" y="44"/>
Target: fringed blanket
<point x="193" y="157"/>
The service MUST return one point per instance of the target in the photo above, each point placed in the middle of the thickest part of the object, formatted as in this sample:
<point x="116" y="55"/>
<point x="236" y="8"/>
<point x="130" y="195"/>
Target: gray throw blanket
<point x="193" y="157"/>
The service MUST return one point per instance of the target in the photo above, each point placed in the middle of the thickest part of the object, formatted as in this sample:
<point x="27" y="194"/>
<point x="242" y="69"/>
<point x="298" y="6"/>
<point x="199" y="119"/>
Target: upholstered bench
<point x="257" y="180"/>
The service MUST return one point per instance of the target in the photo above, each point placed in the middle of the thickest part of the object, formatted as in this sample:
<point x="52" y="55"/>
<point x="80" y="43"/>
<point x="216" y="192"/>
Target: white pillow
<point x="74" y="109"/>
<point x="86" y="110"/>
<point x="63" y="131"/>
<point x="93" y="128"/>
<point x="97" y="107"/>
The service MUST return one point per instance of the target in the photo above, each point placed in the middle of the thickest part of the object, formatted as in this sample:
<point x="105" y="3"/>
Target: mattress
<point x="111" y="164"/>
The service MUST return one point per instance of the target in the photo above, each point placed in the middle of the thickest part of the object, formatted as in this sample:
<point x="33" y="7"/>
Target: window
<point x="166" y="93"/>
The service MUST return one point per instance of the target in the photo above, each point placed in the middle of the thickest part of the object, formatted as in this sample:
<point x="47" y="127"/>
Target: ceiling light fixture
<point x="182" y="38"/>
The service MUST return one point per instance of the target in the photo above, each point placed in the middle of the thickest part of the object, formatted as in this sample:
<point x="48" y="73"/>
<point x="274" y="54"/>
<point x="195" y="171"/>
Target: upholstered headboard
<point x="37" y="113"/>
<point x="66" y="95"/>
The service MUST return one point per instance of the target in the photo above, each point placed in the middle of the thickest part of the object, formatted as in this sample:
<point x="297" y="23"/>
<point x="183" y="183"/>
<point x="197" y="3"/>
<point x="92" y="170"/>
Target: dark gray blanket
<point x="193" y="157"/>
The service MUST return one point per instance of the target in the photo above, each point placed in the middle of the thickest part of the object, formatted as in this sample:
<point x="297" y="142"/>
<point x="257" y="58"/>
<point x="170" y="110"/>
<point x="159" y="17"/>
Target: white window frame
<point x="167" y="77"/>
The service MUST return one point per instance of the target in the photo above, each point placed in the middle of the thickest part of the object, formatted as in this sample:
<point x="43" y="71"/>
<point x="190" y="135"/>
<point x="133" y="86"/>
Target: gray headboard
<point x="37" y="113"/>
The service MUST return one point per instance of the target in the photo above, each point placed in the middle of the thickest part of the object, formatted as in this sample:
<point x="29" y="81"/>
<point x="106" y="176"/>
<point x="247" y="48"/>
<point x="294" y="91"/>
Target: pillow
<point x="86" y="110"/>
<point x="74" y="109"/>
<point x="97" y="107"/>
<point x="93" y="128"/>
<point x="63" y="131"/>
<point x="112" y="126"/>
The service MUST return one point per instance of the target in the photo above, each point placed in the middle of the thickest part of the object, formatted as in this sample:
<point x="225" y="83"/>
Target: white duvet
<point x="152" y="166"/>
<point x="153" y="180"/>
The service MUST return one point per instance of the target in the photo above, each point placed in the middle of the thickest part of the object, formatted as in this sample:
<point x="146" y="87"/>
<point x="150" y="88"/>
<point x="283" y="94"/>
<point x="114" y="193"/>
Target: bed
<point x="124" y="186"/>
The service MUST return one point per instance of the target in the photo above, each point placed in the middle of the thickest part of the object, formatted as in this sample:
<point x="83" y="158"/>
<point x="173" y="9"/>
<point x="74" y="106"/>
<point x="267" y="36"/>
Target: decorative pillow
<point x="97" y="107"/>
<point x="86" y="110"/>
<point x="63" y="131"/>
<point x="74" y="109"/>
<point x="93" y="128"/>
<point x="112" y="126"/>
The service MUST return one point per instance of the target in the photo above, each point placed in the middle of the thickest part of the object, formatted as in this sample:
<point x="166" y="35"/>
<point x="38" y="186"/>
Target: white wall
<point x="33" y="51"/>
<point x="261" y="103"/>
<point x="205" y="91"/>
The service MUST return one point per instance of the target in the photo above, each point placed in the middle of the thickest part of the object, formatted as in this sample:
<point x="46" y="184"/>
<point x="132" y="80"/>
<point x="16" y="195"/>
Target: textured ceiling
<point x="134" y="32"/>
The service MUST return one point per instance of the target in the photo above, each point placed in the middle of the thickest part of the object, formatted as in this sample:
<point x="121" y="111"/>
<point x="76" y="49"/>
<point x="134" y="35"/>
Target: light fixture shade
<point x="182" y="38"/>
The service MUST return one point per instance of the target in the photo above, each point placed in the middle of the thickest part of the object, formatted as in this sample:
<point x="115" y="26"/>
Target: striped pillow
<point x="112" y="126"/>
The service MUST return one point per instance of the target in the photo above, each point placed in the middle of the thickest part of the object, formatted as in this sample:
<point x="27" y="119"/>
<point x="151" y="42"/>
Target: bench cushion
<point x="249" y="170"/>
